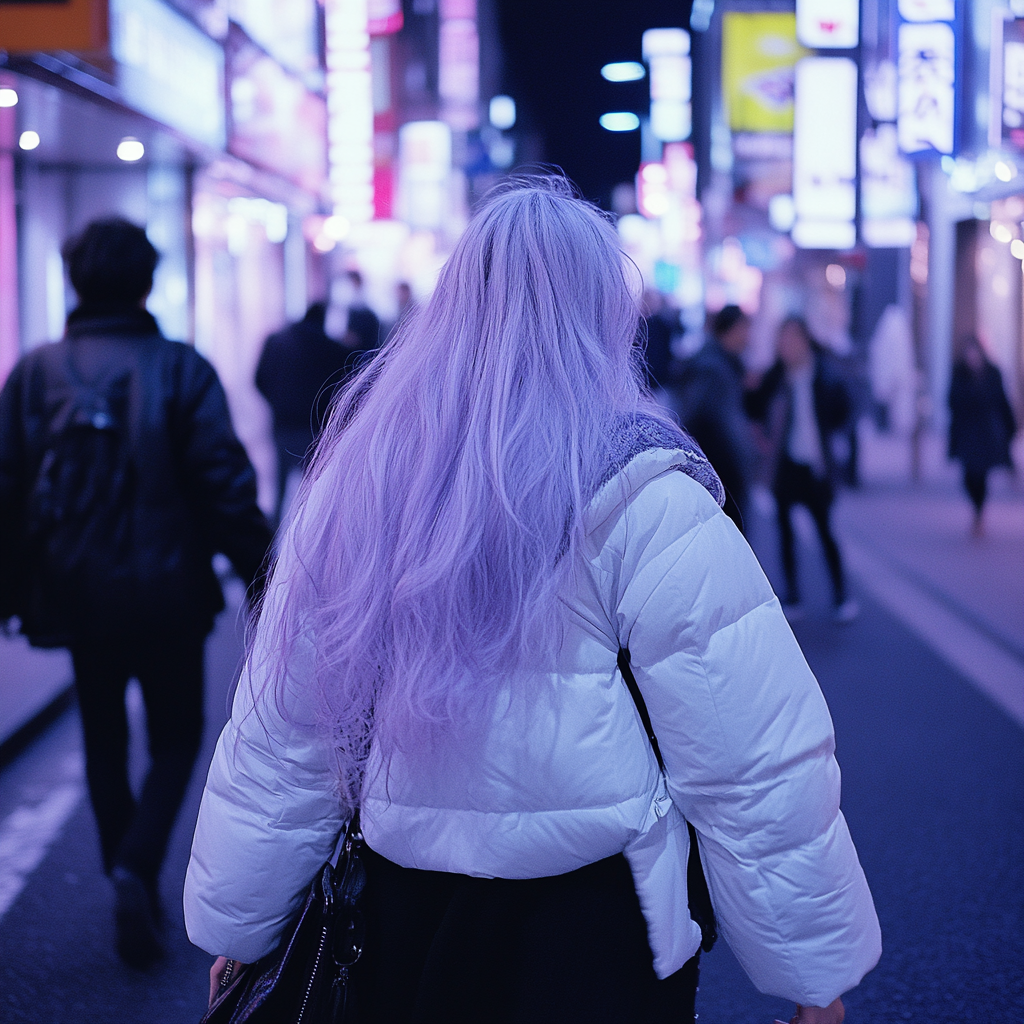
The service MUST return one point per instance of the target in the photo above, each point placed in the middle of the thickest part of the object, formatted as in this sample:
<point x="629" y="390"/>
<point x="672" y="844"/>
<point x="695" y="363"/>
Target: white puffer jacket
<point x="569" y="777"/>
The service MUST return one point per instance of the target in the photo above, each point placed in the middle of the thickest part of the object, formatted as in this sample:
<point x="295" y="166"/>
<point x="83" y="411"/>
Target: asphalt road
<point x="933" y="788"/>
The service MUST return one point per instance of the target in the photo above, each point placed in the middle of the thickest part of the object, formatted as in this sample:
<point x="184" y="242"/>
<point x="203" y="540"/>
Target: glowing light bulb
<point x="8" y="98"/>
<point x="1000" y="232"/>
<point x="1004" y="170"/>
<point x="29" y="140"/>
<point x="130" y="150"/>
<point x="835" y="275"/>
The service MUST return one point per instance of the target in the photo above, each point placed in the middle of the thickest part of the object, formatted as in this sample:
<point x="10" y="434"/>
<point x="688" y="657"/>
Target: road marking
<point x="29" y="831"/>
<point x="990" y="666"/>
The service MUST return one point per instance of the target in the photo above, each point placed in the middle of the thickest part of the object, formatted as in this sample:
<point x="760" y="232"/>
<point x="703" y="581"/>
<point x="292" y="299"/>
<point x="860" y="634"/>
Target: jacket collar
<point x="98" y="319"/>
<point x="642" y="447"/>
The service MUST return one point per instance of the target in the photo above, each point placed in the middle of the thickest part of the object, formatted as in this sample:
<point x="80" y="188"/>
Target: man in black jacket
<point x="802" y="402"/>
<point x="711" y="406"/>
<point x="120" y="477"/>
<point x="298" y="371"/>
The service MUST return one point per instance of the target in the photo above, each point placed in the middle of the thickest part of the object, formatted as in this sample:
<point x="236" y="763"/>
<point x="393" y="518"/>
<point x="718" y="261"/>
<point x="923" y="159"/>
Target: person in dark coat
<point x="112" y="557"/>
<point x="297" y="373"/>
<point x="710" y="397"/>
<point x="802" y="402"/>
<point x="660" y="325"/>
<point x="981" y="426"/>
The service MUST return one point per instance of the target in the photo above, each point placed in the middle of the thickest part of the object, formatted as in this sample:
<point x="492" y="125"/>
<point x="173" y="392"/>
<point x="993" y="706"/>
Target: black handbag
<point x="307" y="980"/>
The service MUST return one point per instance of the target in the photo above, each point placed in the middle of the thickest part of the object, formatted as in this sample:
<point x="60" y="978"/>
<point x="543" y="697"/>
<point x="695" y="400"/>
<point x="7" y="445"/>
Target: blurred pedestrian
<point x="297" y="373"/>
<point x="661" y="323"/>
<point x="710" y="405"/>
<point x="802" y="402"/>
<point x="981" y="425"/>
<point x="406" y="303"/>
<point x="501" y="539"/>
<point x="120" y="477"/>
<point x="350" y="320"/>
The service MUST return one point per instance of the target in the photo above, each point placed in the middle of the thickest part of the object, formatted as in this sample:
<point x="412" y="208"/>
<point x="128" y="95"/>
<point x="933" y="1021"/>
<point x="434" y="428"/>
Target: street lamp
<point x="620" y="121"/>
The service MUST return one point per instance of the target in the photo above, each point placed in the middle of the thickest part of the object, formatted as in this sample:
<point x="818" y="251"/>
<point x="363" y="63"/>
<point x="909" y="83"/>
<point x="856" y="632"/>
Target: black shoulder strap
<point x="698" y="896"/>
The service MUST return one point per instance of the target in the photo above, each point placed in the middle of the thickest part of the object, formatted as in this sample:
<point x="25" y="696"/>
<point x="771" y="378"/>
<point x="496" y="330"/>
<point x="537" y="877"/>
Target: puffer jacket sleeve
<point x="748" y="744"/>
<point x="269" y="818"/>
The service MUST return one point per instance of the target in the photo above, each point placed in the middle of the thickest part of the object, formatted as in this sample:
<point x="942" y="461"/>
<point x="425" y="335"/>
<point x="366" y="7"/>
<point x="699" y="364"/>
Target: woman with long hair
<point x="499" y="534"/>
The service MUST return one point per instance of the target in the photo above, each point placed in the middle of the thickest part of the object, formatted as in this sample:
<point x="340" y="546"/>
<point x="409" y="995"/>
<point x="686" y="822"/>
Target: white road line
<point x="989" y="666"/>
<point x="28" y="832"/>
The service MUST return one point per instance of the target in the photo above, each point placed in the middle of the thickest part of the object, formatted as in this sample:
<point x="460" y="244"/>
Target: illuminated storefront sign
<point x="286" y="29"/>
<point x="825" y="153"/>
<point x="667" y="51"/>
<point x="759" y="52"/>
<point x="276" y="121"/>
<point x="168" y="69"/>
<point x="459" y="64"/>
<point x="927" y="77"/>
<point x="349" y="109"/>
<point x="828" y="24"/>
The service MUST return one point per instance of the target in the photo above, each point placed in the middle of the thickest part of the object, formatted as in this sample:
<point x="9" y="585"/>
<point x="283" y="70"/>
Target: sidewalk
<point x="909" y="546"/>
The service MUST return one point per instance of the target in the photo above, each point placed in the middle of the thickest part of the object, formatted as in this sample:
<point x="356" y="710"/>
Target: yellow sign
<point x="759" y="52"/>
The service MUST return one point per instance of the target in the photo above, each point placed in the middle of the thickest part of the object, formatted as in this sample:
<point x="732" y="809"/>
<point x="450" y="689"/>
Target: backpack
<point x="78" y="512"/>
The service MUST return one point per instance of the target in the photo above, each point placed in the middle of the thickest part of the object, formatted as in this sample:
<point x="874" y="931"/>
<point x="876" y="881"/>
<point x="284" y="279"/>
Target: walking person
<point x="803" y="401"/>
<point x="710" y="397"/>
<point x="500" y="535"/>
<point x="120" y="477"/>
<point x="298" y="371"/>
<point x="981" y="424"/>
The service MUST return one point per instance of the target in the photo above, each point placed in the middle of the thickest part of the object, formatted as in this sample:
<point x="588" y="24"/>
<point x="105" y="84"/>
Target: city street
<point x="930" y="740"/>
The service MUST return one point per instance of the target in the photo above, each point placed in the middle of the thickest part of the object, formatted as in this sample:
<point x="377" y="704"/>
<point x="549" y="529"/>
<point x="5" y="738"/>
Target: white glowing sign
<point x="825" y="152"/>
<point x="168" y="68"/>
<point x="349" y="109"/>
<point x="888" y="195"/>
<point x="927" y="82"/>
<point x="828" y="24"/>
<point x="1013" y="85"/>
<point x="667" y="51"/>
<point x="425" y="163"/>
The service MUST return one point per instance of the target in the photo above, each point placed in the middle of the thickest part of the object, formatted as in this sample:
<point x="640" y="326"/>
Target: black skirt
<point x="450" y="949"/>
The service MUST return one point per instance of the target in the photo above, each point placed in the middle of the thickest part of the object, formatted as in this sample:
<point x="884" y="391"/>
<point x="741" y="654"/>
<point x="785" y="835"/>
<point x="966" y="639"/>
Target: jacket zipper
<point x="312" y="977"/>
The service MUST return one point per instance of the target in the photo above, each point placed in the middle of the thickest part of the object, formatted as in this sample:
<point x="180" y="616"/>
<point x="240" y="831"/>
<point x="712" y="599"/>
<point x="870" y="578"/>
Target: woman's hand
<point x="217" y="972"/>
<point x="831" y="1014"/>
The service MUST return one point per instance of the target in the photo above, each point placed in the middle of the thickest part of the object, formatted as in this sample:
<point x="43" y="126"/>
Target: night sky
<point x="554" y="51"/>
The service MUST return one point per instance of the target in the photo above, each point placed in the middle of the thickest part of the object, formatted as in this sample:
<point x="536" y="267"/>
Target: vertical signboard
<point x="888" y="194"/>
<point x="459" y="64"/>
<point x="667" y="51"/>
<point x="759" y="51"/>
<point x="1012" y="127"/>
<point x="825" y="153"/>
<point x="349" y="109"/>
<point x="926" y="41"/>
<point x="425" y="164"/>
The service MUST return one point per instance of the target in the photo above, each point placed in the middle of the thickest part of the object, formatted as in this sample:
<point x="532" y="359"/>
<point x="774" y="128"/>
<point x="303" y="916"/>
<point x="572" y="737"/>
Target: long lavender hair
<point x="442" y="510"/>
